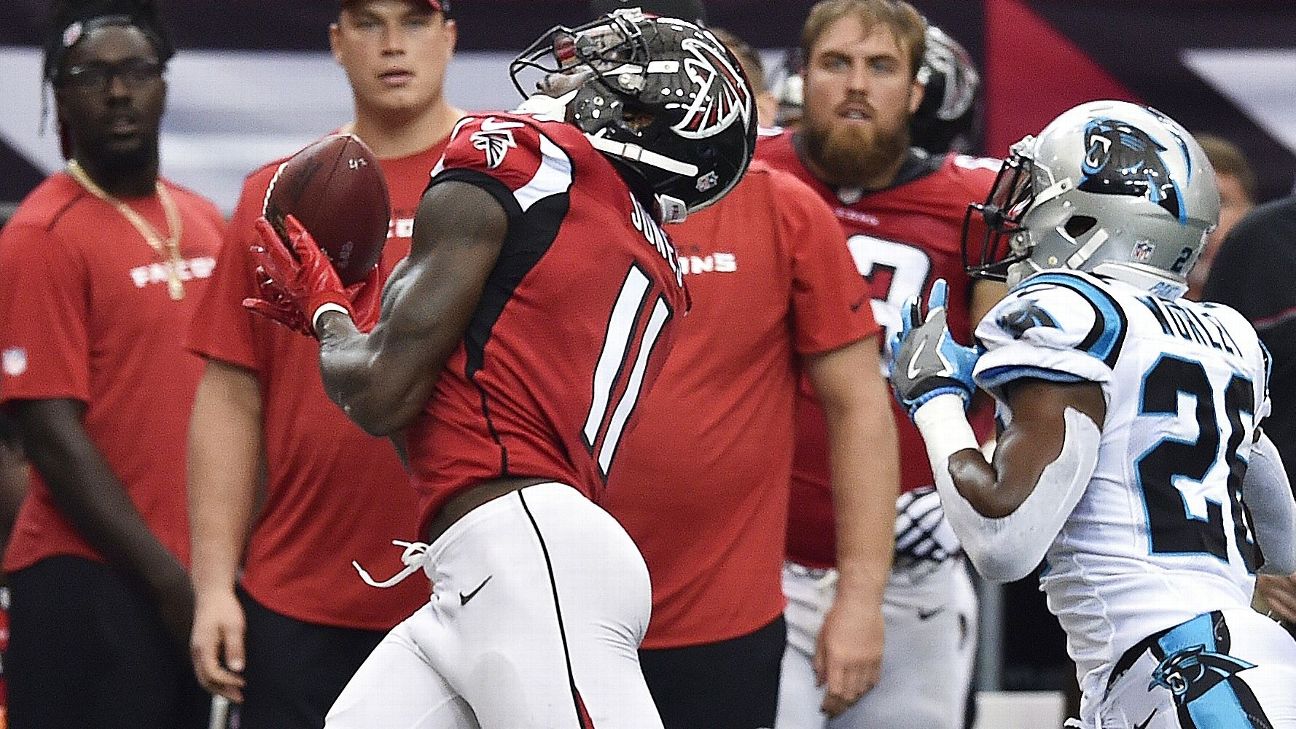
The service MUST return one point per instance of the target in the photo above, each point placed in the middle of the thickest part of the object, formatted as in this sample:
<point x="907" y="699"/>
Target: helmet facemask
<point x="1003" y="244"/>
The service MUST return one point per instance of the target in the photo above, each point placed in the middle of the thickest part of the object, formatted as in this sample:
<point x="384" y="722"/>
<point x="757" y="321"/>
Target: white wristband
<point x="324" y="309"/>
<point x="944" y="427"/>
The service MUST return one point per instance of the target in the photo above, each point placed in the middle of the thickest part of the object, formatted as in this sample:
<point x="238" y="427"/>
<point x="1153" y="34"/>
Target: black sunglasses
<point x="134" y="73"/>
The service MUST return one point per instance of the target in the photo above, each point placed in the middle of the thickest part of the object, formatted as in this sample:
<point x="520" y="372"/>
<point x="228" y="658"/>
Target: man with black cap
<point x="282" y="619"/>
<point x="100" y="270"/>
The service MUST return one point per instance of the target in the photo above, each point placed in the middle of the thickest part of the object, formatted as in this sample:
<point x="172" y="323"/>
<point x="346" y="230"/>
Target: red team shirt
<point x="572" y="326"/>
<point x="86" y="316"/>
<point x="902" y="238"/>
<point x="713" y="449"/>
<point x="335" y="494"/>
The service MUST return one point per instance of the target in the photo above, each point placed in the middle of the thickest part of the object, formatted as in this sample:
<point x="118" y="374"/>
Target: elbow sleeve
<point x="1007" y="548"/>
<point x="1267" y="493"/>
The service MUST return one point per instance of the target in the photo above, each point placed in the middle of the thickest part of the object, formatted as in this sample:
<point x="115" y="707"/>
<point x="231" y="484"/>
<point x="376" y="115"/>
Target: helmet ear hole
<point x="1078" y="225"/>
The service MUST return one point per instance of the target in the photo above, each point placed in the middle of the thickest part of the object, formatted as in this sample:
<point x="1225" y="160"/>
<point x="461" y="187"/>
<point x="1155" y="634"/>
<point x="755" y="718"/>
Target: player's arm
<point x="225" y="437"/>
<point x="90" y="496"/>
<point x="1267" y="493"/>
<point x="13" y="478"/>
<point x="1007" y="514"/>
<point x="863" y="455"/>
<point x="383" y="379"/>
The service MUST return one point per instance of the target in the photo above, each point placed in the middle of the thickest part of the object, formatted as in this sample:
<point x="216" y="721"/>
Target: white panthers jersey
<point x="1160" y="534"/>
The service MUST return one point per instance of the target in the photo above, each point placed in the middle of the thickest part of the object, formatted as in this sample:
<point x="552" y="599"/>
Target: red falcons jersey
<point x="902" y="238"/>
<point x="572" y="326"/>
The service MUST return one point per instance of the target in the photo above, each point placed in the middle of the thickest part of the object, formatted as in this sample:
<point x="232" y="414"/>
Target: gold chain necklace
<point x="168" y="249"/>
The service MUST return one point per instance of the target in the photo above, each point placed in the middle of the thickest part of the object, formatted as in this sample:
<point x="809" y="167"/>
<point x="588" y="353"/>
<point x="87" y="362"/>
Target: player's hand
<point x="1279" y="595"/>
<point x="274" y="303"/>
<point x="925" y="359"/>
<point x="216" y="644"/>
<point x="293" y="289"/>
<point x="848" y="652"/>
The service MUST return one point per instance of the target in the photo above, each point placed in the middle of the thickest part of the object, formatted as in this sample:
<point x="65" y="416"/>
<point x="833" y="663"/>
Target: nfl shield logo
<point x="15" y="361"/>
<point x="1143" y="250"/>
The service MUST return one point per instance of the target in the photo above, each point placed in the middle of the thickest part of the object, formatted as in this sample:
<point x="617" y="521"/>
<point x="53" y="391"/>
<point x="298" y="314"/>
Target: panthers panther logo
<point x="1121" y="159"/>
<point x="1192" y="671"/>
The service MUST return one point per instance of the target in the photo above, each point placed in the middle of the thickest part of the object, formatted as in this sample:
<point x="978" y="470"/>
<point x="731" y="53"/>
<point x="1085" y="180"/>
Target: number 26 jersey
<point x="1160" y="534"/>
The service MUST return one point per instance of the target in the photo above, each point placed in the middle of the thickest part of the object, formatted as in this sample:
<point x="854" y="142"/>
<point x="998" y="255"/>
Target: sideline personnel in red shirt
<point x="302" y="621"/>
<point x="774" y="294"/>
<point x="902" y="212"/>
<point x="100" y="270"/>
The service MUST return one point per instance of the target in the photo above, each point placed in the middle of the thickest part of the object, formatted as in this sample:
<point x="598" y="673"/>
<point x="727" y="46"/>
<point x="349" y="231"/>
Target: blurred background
<point x="253" y="80"/>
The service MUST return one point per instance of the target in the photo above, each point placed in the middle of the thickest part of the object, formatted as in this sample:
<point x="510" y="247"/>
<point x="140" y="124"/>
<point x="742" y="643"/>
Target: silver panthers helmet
<point x="1108" y="187"/>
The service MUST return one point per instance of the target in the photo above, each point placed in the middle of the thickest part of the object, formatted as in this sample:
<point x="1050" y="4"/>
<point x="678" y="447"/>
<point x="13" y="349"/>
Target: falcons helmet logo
<point x="721" y="97"/>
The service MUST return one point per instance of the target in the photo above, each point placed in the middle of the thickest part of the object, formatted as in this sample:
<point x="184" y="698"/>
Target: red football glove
<point x="291" y="291"/>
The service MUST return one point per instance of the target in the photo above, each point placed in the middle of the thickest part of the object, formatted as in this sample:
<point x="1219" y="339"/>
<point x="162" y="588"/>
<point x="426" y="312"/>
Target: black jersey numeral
<point x="1173" y="528"/>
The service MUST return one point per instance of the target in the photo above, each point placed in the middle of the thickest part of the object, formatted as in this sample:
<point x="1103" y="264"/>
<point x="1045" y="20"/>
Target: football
<point x="335" y="187"/>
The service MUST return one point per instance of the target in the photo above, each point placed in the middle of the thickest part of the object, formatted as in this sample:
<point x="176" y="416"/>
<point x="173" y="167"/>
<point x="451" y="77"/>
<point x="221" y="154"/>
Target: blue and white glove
<point x="925" y="359"/>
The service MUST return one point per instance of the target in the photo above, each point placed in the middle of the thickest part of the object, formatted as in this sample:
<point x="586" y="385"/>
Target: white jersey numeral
<point x="896" y="272"/>
<point x="611" y="369"/>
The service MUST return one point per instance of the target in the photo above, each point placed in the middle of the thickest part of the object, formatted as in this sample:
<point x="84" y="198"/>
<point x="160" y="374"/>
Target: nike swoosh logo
<point x="463" y="599"/>
<point x="1143" y="724"/>
<point x="929" y="614"/>
<point x="911" y="370"/>
<point x="491" y="124"/>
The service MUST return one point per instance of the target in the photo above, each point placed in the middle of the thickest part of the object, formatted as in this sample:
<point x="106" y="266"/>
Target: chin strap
<point x="635" y="153"/>
<point x="1009" y="547"/>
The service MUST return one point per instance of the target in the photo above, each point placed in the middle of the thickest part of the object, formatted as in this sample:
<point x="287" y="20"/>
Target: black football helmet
<point x="949" y="117"/>
<point x="659" y="95"/>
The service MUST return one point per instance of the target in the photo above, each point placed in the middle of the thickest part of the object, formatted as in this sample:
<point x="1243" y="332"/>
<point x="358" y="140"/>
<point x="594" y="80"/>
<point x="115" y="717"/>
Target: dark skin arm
<point x="383" y="379"/>
<point x="89" y="494"/>
<point x="13" y="485"/>
<point x="1026" y="447"/>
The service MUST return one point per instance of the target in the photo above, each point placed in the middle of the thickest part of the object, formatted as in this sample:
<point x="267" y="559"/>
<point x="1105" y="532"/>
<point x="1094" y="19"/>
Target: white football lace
<point x="413" y="557"/>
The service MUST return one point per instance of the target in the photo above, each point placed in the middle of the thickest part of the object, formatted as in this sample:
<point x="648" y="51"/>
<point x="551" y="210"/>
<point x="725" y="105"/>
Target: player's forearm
<point x="380" y="396"/>
<point x="866" y="477"/>
<point x="224" y="465"/>
<point x="864" y="463"/>
<point x="89" y="494"/>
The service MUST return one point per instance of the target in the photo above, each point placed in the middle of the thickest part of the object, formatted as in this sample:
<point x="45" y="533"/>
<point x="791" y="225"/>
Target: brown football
<point x="335" y="187"/>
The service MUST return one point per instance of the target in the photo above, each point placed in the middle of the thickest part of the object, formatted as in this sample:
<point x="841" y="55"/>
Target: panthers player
<point x="532" y="315"/>
<point x="1131" y="460"/>
<point x="902" y="211"/>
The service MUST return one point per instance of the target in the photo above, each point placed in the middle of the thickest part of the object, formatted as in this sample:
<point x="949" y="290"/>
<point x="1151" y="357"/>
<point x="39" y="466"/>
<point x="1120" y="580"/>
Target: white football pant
<point x="930" y="618"/>
<point x="539" y="602"/>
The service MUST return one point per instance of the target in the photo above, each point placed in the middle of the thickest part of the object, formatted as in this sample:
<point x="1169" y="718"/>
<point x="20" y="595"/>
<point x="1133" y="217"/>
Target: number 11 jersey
<point x="572" y="326"/>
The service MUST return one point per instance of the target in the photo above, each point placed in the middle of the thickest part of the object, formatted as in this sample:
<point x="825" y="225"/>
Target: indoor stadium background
<point x="253" y="80"/>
